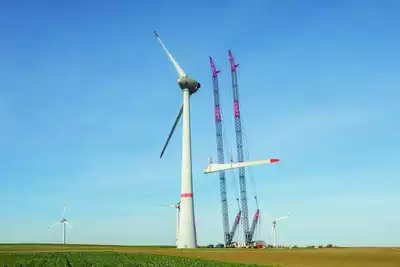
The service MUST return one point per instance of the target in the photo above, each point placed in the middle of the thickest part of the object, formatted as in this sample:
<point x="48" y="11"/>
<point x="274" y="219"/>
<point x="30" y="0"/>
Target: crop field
<point x="60" y="259"/>
<point x="97" y="255"/>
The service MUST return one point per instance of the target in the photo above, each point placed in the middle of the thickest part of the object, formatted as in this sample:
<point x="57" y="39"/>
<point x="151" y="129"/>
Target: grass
<point x="334" y="257"/>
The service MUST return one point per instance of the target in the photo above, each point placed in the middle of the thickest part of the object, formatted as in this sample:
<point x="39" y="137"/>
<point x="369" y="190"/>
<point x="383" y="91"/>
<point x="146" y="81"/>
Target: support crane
<point x="234" y="227"/>
<point x="228" y="236"/>
<point x="255" y="221"/>
<point x="239" y="147"/>
<point x="222" y="167"/>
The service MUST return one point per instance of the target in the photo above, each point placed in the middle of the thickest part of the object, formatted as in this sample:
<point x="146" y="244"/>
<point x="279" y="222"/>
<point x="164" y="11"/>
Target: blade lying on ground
<point x="180" y="71"/>
<point x="172" y="130"/>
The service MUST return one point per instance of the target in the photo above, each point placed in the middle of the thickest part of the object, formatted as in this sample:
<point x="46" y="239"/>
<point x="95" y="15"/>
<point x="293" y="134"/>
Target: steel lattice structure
<point x="239" y="147"/>
<point x="220" y="150"/>
<point x="254" y="224"/>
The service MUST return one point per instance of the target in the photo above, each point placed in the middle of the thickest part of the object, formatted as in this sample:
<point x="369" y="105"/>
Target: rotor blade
<point x="54" y="224"/>
<point x="172" y="130"/>
<point x="213" y="167"/>
<point x="68" y="224"/>
<point x="180" y="71"/>
<point x="272" y="230"/>
<point x="169" y="206"/>
<point x="284" y="217"/>
<point x="65" y="207"/>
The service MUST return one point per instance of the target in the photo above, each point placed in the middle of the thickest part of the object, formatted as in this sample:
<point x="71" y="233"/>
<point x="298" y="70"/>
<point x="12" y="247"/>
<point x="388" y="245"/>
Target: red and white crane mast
<point x="239" y="147"/>
<point x="228" y="236"/>
<point x="255" y="222"/>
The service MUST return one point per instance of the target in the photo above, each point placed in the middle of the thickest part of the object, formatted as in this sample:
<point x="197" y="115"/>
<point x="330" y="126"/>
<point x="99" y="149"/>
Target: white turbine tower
<point x="273" y="230"/>
<point x="63" y="222"/>
<point x="187" y="228"/>
<point x="176" y="206"/>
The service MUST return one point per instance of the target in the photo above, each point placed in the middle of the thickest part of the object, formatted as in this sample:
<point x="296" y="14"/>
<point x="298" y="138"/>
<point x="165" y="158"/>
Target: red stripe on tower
<point x="187" y="195"/>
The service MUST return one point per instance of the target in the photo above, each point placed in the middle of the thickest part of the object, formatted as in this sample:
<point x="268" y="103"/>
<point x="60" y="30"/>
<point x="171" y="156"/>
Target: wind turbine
<point x="187" y="228"/>
<point x="176" y="206"/>
<point x="63" y="222"/>
<point x="273" y="230"/>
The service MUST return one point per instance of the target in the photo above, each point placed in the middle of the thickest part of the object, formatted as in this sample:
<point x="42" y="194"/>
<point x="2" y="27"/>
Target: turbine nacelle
<point x="184" y="81"/>
<point x="189" y="83"/>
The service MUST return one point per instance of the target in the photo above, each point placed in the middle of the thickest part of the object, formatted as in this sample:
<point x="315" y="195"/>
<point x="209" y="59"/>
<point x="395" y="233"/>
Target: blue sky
<point x="87" y="97"/>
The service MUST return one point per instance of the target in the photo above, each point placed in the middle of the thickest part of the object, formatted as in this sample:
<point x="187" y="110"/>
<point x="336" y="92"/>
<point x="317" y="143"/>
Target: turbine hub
<point x="188" y="83"/>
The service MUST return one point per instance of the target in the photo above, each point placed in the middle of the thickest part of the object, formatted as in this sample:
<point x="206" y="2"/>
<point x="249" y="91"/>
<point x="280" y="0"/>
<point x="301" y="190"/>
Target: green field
<point x="60" y="259"/>
<point x="102" y="255"/>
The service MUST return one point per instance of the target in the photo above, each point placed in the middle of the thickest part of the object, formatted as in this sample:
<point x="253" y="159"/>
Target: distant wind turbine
<point x="63" y="222"/>
<point x="273" y="230"/>
<point x="176" y="206"/>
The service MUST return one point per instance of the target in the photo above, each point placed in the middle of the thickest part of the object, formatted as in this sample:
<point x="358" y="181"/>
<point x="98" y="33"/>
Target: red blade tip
<point x="156" y="34"/>
<point x="274" y="160"/>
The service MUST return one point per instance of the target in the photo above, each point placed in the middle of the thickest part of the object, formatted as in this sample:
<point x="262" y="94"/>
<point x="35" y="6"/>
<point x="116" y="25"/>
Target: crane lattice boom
<point x="254" y="224"/>
<point x="239" y="147"/>
<point x="220" y="149"/>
